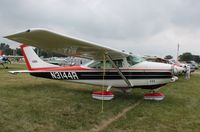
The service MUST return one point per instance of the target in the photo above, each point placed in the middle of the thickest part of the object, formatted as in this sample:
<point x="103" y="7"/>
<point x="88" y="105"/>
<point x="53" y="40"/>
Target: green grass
<point x="35" y="104"/>
<point x="179" y="111"/>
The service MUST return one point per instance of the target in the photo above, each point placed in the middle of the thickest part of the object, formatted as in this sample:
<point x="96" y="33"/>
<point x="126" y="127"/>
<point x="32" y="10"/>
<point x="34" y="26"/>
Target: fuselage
<point x="143" y="74"/>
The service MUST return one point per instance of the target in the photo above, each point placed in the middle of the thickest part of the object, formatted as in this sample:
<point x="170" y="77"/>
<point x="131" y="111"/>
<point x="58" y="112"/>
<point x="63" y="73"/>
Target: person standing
<point x="187" y="74"/>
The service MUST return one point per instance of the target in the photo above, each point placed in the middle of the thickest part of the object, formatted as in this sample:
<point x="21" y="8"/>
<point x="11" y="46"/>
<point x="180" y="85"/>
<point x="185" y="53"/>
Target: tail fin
<point x="1" y="52"/>
<point x="32" y="60"/>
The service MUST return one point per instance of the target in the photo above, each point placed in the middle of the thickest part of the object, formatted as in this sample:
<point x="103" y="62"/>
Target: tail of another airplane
<point x="33" y="61"/>
<point x="1" y="52"/>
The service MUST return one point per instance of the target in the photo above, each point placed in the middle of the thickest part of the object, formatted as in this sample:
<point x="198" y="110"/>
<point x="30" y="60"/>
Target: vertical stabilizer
<point x="33" y="61"/>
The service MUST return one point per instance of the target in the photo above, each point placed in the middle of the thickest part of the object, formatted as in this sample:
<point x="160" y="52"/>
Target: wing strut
<point x="118" y="70"/>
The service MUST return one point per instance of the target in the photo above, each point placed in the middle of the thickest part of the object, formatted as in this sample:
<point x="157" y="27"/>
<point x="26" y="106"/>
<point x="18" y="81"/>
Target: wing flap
<point x="64" y="44"/>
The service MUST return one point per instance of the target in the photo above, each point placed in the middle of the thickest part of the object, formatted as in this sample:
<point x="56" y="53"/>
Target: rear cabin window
<point x="108" y="65"/>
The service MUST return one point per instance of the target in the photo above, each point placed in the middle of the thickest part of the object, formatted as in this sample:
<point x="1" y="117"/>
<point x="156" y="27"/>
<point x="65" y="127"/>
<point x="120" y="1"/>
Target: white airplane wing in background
<point x="65" y="45"/>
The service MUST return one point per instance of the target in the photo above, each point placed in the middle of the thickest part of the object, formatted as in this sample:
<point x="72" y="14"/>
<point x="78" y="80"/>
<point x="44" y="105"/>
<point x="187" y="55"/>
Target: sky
<point x="143" y="27"/>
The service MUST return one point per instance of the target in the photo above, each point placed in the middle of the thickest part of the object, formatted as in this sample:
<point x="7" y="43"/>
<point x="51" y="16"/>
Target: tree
<point x="186" y="57"/>
<point x="2" y="46"/>
<point x="196" y="58"/>
<point x="168" y="57"/>
<point x="6" y="48"/>
<point x="8" y="51"/>
<point x="18" y="51"/>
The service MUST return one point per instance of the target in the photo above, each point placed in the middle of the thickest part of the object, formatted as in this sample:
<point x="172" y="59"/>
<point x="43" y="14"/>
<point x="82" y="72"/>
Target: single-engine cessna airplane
<point x="108" y="67"/>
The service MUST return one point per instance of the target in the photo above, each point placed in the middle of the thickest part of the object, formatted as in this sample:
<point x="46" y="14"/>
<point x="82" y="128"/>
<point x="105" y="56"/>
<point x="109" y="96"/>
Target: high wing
<point x="65" y="45"/>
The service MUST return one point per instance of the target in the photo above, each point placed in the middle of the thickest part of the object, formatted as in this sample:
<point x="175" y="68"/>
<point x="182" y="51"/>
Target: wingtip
<point x="23" y="31"/>
<point x="6" y="36"/>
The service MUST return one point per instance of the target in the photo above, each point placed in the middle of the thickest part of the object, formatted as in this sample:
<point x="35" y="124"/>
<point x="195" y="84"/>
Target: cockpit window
<point x="132" y="60"/>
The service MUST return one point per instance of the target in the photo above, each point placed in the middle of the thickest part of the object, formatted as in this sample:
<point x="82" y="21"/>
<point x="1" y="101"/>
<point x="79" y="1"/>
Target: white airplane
<point x="108" y="67"/>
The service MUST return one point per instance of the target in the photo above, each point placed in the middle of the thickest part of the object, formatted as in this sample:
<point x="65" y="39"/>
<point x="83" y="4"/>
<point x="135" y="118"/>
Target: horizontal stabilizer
<point x="21" y="71"/>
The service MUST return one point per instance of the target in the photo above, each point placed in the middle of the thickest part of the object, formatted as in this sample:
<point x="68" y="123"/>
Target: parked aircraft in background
<point x="4" y="60"/>
<point x="66" y="61"/>
<point x="193" y="65"/>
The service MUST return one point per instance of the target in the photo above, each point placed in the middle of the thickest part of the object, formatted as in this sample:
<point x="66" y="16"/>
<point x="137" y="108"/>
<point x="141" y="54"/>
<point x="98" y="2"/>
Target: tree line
<point x="9" y="51"/>
<point x="187" y="56"/>
<point x="6" y="49"/>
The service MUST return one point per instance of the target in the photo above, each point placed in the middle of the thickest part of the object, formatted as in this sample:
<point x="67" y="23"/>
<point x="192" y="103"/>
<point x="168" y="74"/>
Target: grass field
<point x="34" y="104"/>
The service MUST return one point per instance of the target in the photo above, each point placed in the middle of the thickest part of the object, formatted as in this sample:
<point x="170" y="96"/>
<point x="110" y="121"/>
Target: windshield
<point x="132" y="60"/>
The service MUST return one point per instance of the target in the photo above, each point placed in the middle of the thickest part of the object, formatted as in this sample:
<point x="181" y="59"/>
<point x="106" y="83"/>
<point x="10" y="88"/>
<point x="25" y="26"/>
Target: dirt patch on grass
<point x="105" y="123"/>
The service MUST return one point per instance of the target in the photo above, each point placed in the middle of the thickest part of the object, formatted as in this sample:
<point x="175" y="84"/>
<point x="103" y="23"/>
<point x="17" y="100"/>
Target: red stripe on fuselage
<point x="79" y="68"/>
<point x="71" y="68"/>
<point x="74" y="68"/>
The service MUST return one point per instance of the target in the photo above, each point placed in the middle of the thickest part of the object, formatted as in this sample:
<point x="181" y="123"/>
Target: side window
<point x="100" y="65"/>
<point x="108" y="65"/>
<point x="118" y="63"/>
<point x="97" y="65"/>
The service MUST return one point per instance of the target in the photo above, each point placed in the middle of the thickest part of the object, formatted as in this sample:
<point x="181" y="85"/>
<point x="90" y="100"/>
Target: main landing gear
<point x="154" y="95"/>
<point x="103" y="95"/>
<point x="108" y="95"/>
